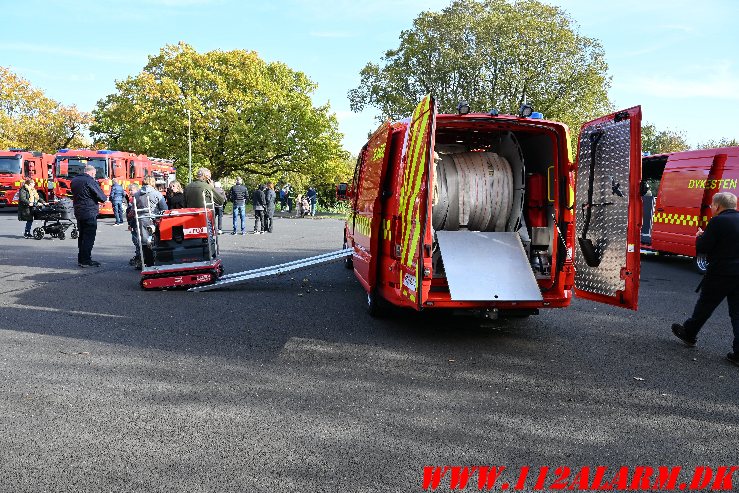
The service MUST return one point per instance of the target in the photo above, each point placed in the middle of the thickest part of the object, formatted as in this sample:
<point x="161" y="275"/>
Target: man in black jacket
<point x="258" y="201"/>
<point x="238" y="197"/>
<point x="720" y="244"/>
<point x="86" y="194"/>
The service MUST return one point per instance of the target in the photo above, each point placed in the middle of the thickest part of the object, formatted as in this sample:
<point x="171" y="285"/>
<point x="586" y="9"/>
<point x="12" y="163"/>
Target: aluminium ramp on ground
<point x="487" y="266"/>
<point x="273" y="270"/>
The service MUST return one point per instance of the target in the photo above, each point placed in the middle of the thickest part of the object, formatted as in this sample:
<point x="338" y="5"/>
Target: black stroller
<point x="57" y="218"/>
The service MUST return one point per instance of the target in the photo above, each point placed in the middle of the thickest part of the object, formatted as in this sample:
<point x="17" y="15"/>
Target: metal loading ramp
<point x="273" y="270"/>
<point x="487" y="266"/>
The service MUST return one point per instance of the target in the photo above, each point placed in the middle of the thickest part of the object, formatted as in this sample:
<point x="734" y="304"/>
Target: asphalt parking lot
<point x="285" y="384"/>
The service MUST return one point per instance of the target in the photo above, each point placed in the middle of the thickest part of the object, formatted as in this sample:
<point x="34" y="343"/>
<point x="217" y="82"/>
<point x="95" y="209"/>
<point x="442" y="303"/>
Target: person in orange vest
<point x="719" y="243"/>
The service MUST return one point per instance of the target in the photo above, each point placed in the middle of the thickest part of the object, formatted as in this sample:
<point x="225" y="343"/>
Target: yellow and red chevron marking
<point x="408" y="204"/>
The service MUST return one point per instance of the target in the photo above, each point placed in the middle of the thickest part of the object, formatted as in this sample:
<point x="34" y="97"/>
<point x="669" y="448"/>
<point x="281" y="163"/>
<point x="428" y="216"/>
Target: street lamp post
<point x="189" y="146"/>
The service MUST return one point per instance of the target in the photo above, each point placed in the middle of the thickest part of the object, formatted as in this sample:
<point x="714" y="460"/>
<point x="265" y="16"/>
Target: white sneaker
<point x="220" y="232"/>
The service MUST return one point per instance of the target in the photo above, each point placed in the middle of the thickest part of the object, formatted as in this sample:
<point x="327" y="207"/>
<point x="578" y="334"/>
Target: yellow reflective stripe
<point x="679" y="219"/>
<point x="412" y="174"/>
<point x="387" y="234"/>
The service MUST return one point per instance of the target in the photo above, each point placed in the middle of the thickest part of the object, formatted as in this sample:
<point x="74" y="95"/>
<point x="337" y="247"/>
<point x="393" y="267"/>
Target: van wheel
<point x="701" y="264"/>
<point x="376" y="305"/>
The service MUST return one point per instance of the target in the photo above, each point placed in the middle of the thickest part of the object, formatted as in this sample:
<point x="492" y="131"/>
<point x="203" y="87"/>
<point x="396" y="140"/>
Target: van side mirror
<point x="342" y="191"/>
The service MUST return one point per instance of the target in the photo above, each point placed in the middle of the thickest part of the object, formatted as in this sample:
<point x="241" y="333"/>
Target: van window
<point x="132" y="169"/>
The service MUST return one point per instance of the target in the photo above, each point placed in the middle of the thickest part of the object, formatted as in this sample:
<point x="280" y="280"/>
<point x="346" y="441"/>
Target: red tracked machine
<point x="182" y="251"/>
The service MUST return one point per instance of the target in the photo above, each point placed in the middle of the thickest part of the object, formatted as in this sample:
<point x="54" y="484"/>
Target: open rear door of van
<point x="411" y="207"/>
<point x="608" y="213"/>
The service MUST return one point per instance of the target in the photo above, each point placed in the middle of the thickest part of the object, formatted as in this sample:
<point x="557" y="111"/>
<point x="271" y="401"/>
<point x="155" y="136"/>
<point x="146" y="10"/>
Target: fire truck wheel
<point x="376" y="306"/>
<point x="38" y="233"/>
<point x="74" y="234"/>
<point x="62" y="235"/>
<point x="701" y="264"/>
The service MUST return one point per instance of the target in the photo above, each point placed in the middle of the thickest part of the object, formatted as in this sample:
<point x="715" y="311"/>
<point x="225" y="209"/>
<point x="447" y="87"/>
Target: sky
<point x="676" y="58"/>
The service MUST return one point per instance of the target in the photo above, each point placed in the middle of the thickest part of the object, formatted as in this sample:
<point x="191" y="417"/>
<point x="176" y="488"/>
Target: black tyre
<point x="376" y="305"/>
<point x="62" y="235"/>
<point x="74" y="234"/>
<point x="701" y="264"/>
<point x="38" y="233"/>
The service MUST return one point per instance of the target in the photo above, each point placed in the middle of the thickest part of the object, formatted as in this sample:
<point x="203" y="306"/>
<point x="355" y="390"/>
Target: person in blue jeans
<point x="117" y="196"/>
<point x="238" y="196"/>
<point x="313" y="199"/>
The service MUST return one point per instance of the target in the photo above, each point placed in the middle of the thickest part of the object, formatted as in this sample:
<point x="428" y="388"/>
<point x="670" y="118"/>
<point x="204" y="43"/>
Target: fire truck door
<point x="368" y="206"/>
<point x="608" y="211"/>
<point x="411" y="208"/>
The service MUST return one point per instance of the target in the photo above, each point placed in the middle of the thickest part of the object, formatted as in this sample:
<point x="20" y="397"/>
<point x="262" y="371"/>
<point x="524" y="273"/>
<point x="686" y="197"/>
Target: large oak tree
<point x="492" y="54"/>
<point x="247" y="115"/>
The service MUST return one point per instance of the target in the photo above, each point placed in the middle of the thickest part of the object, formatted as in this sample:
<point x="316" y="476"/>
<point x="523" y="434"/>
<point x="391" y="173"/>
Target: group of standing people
<point x="263" y="201"/>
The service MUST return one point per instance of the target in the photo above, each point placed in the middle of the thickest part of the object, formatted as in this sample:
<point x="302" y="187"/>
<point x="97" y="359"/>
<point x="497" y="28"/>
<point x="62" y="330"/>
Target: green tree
<point x="492" y="54"/>
<point x="656" y="141"/>
<point x="29" y="119"/>
<point x="247" y="116"/>
<point x="722" y="142"/>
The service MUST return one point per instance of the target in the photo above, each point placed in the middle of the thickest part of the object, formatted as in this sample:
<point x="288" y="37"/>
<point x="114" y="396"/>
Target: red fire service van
<point x="126" y="167"/>
<point x="18" y="164"/>
<point x="489" y="213"/>
<point x="678" y="199"/>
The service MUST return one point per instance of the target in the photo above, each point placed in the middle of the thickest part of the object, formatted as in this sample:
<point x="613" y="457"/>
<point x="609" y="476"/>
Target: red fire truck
<point x="681" y="188"/>
<point x="489" y="213"/>
<point x="126" y="167"/>
<point x="18" y="164"/>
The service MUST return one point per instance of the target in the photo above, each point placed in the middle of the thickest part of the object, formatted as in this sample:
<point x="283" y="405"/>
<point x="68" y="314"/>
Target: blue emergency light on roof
<point x="538" y="115"/>
<point x="63" y="150"/>
<point x="106" y="151"/>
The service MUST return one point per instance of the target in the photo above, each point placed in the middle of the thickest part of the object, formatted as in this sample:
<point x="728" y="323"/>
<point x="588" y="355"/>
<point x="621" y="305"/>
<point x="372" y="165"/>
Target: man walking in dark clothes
<point x="269" y="208"/>
<point x="720" y="244"/>
<point x="257" y="200"/>
<point x="238" y="196"/>
<point x="86" y="194"/>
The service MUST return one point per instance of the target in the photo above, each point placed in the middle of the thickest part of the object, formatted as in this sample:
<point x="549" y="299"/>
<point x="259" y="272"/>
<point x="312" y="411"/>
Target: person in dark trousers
<point x="238" y="196"/>
<point x="116" y="197"/>
<point x="219" y="208"/>
<point x="86" y="195"/>
<point x="269" y="206"/>
<point x="27" y="199"/>
<point x="313" y="199"/>
<point x="257" y="200"/>
<point x="720" y="243"/>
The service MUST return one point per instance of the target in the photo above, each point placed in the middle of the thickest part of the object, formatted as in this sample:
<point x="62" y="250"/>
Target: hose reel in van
<point x="473" y="190"/>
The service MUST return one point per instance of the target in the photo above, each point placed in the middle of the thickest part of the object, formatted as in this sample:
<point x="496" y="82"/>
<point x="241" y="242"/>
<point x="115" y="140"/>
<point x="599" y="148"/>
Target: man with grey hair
<point x="720" y="243"/>
<point x="202" y="184"/>
<point x="86" y="195"/>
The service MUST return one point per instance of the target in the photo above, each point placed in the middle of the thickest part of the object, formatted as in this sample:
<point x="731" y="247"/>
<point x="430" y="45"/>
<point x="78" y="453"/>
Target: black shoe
<point x="91" y="263"/>
<point x="133" y="260"/>
<point x="682" y="334"/>
<point x="733" y="357"/>
<point x="233" y="233"/>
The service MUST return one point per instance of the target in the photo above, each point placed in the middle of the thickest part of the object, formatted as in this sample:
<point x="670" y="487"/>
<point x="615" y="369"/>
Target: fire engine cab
<point x="678" y="196"/>
<point x="18" y="164"/>
<point x="489" y="213"/>
<point x="126" y="167"/>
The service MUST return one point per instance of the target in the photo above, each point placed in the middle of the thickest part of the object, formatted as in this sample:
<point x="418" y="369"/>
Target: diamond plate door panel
<point x="610" y="212"/>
